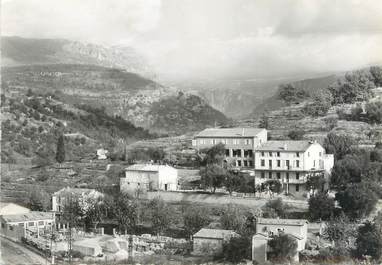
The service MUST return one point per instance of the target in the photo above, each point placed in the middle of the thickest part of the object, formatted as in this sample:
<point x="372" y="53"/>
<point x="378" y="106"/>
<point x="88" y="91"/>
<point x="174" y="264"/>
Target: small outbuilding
<point x="147" y="177"/>
<point x="210" y="241"/>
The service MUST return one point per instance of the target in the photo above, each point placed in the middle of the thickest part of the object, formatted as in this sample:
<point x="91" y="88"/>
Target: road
<point x="15" y="254"/>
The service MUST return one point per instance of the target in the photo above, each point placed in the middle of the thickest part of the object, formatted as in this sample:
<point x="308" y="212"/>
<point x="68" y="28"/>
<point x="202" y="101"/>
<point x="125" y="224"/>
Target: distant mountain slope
<point x="310" y="85"/>
<point x="21" y="51"/>
<point x="137" y="99"/>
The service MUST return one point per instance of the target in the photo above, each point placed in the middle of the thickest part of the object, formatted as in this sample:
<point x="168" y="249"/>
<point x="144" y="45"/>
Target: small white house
<point x="267" y="228"/>
<point x="146" y="177"/>
<point x="102" y="154"/>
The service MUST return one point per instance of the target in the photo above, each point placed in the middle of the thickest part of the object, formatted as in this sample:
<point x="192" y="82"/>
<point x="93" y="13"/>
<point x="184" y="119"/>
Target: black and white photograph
<point x="191" y="132"/>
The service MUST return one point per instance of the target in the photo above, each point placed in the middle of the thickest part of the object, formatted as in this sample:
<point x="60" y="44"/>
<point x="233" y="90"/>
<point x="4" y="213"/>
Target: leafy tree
<point x="357" y="200"/>
<point x="232" y="218"/>
<point x="296" y="134"/>
<point x="316" y="182"/>
<point x="126" y="212"/>
<point x="321" y="207"/>
<point x="284" y="247"/>
<point x="321" y="103"/>
<point x="331" y="122"/>
<point x="374" y="112"/>
<point x="96" y="212"/>
<point x="38" y="200"/>
<point x="274" y="185"/>
<point x="161" y="215"/>
<point x="233" y="181"/>
<point x="237" y="249"/>
<point x="264" y="121"/>
<point x="356" y="86"/>
<point x="277" y="206"/>
<point x="194" y="219"/>
<point x="339" y="145"/>
<point x="345" y="171"/>
<point x="214" y="154"/>
<point x="60" y="153"/>
<point x="213" y="176"/>
<point x="290" y="93"/>
<point x="376" y="73"/>
<point x="340" y="231"/>
<point x="369" y="241"/>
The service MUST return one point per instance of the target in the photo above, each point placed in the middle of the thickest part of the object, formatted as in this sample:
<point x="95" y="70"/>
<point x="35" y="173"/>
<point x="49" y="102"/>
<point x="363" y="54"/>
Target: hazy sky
<point x="215" y="38"/>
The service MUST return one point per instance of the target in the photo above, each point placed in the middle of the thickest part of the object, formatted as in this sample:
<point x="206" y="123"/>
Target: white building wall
<point x="168" y="178"/>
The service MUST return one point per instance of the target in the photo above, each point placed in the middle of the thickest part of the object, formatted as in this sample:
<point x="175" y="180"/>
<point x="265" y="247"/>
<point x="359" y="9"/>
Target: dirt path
<point x="15" y="254"/>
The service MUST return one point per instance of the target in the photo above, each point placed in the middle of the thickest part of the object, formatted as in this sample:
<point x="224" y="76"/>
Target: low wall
<point x="221" y="199"/>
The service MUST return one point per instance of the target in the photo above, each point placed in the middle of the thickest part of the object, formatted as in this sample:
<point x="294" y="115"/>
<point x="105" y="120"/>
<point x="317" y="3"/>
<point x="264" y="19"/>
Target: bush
<point x="321" y="207"/>
<point x="284" y="247"/>
<point x="237" y="249"/>
<point x="369" y="241"/>
<point x="296" y="134"/>
<point x="291" y="94"/>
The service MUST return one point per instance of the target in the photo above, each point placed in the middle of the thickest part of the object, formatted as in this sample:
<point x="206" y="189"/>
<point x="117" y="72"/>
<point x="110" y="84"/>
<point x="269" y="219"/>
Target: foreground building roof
<point x="8" y="208"/>
<point x="275" y="221"/>
<point x="213" y="233"/>
<point x="230" y="132"/>
<point x="31" y="216"/>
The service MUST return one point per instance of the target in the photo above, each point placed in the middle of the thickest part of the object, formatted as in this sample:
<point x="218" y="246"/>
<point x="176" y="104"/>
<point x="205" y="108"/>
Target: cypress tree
<point x="60" y="154"/>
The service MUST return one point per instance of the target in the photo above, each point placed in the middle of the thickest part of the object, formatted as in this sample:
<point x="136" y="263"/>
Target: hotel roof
<point x="285" y="146"/>
<point x="274" y="221"/>
<point x="230" y="132"/>
<point x="147" y="167"/>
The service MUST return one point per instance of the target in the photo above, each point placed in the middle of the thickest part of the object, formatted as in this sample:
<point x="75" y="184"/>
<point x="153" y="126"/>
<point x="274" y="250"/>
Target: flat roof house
<point x="292" y="163"/>
<point x="15" y="226"/>
<point x="267" y="228"/>
<point x="9" y="208"/>
<point x="148" y="177"/>
<point x="210" y="241"/>
<point x="240" y="143"/>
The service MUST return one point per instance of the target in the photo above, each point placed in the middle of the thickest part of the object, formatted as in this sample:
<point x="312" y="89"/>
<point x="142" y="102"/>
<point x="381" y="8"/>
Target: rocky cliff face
<point x="21" y="51"/>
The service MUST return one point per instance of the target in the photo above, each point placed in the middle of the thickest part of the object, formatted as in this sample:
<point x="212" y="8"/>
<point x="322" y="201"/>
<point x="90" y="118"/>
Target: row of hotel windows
<point x="277" y="154"/>
<point x="224" y="141"/>
<point x="237" y="153"/>
<point x="244" y="163"/>
<point x="278" y="162"/>
<point x="278" y="175"/>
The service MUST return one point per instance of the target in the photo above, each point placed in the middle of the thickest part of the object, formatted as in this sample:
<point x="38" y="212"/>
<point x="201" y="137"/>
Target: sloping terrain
<point x="139" y="100"/>
<point x="310" y="85"/>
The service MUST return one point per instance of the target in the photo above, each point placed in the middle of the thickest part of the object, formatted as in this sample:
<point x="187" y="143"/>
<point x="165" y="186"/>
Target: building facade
<point x="267" y="228"/>
<point x="16" y="226"/>
<point x="291" y="163"/>
<point x="210" y="241"/>
<point x="240" y="143"/>
<point x="63" y="196"/>
<point x="146" y="177"/>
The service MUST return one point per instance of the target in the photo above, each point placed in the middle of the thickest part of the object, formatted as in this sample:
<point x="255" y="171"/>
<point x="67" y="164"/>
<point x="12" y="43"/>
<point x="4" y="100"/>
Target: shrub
<point x="321" y="207"/>
<point x="369" y="241"/>
<point x="296" y="134"/>
<point x="284" y="247"/>
<point x="237" y="249"/>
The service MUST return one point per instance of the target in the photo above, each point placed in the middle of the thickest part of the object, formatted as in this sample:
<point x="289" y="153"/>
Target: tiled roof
<point x="230" y="132"/>
<point x="285" y="146"/>
<point x="147" y="167"/>
<point x="274" y="221"/>
<point x="31" y="216"/>
<point x="213" y="233"/>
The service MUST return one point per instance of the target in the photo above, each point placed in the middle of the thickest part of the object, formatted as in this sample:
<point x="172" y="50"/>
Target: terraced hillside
<point x="139" y="100"/>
